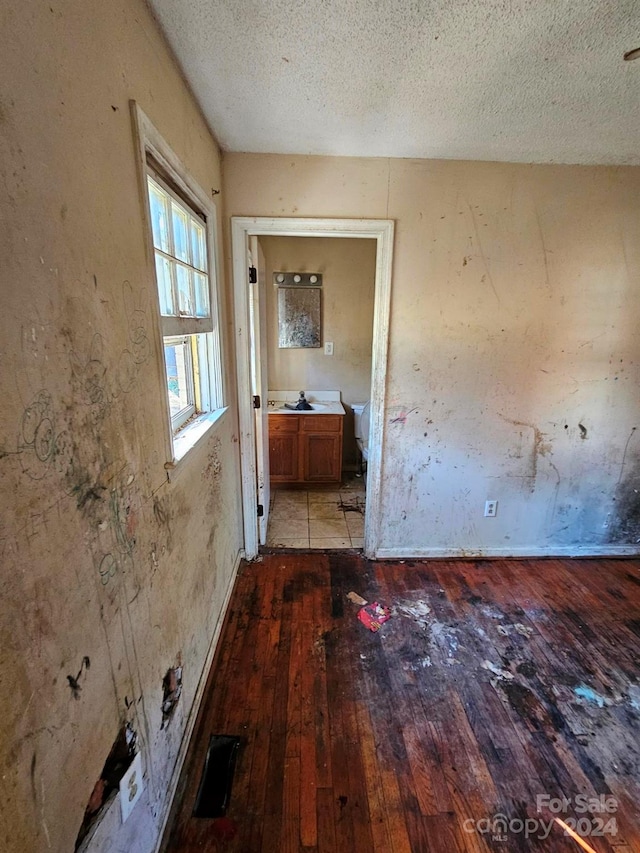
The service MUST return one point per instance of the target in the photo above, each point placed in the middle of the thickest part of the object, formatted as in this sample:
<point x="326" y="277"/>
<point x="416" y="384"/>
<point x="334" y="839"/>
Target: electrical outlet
<point x="490" y="509"/>
<point x="328" y="348"/>
<point x="131" y="786"/>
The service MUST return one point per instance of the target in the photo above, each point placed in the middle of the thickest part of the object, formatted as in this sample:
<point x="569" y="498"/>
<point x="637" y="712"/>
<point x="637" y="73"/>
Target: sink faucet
<point x="303" y="403"/>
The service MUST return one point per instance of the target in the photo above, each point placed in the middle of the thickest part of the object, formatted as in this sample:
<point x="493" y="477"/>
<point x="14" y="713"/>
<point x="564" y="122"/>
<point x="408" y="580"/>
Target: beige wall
<point x="82" y="461"/>
<point x="348" y="268"/>
<point x="514" y="355"/>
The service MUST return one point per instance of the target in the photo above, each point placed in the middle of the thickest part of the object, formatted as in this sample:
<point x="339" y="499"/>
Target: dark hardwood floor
<point x="496" y="688"/>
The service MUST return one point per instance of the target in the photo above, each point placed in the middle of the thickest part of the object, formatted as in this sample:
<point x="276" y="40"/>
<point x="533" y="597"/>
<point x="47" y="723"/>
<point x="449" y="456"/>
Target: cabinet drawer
<point x="283" y="423"/>
<point x="320" y="423"/>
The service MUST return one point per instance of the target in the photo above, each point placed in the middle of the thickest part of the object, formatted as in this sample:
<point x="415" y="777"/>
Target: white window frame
<point x="209" y="385"/>
<point x="187" y="412"/>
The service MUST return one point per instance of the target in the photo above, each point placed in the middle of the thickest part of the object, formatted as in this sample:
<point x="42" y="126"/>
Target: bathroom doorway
<point x="344" y="503"/>
<point x="333" y="370"/>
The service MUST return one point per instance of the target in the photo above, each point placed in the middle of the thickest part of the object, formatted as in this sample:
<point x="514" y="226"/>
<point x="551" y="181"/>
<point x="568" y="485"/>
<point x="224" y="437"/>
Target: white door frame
<point x="381" y="230"/>
<point x="258" y="348"/>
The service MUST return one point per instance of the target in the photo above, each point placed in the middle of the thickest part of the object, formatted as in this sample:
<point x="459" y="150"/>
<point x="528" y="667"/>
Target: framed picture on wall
<point x="298" y="317"/>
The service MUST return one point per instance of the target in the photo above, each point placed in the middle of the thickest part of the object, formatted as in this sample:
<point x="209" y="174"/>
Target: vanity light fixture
<point x="297" y="279"/>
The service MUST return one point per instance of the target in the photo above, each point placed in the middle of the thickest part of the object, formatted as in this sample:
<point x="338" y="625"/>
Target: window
<point x="180" y="245"/>
<point x="183" y="231"/>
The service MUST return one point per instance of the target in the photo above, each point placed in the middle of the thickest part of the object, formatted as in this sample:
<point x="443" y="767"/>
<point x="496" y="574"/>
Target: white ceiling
<point x="512" y="80"/>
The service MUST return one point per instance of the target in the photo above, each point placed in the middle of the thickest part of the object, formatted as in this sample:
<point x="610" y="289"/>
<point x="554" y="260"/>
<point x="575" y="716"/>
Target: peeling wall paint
<point x="514" y="360"/>
<point x="108" y="569"/>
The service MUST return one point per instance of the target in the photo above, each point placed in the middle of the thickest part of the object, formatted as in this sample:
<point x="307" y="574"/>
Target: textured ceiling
<point x="513" y="80"/>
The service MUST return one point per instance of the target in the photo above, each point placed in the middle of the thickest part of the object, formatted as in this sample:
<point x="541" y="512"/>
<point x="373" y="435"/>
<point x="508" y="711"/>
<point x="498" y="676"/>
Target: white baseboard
<point x="518" y="553"/>
<point x="197" y="700"/>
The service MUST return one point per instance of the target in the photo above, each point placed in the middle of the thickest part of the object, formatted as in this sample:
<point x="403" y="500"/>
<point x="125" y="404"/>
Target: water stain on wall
<point x="625" y="526"/>
<point x="540" y="447"/>
<point x="214" y="461"/>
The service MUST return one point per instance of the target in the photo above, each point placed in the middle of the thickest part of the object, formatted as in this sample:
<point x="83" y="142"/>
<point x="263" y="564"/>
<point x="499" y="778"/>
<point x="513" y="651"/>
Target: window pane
<point x="179" y="375"/>
<point x="159" y="217"/>
<point x="163" y="276"/>
<point x="202" y="295"/>
<point x="185" y="299"/>
<point x="198" y="246"/>
<point x="180" y="232"/>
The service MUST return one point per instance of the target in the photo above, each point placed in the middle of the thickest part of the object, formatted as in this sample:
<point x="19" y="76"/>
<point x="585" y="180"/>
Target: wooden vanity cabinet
<point x="305" y="449"/>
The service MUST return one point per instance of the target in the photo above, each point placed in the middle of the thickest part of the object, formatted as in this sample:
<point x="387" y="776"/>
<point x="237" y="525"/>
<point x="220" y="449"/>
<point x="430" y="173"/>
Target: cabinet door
<point x="322" y="457"/>
<point x="283" y="457"/>
<point x="283" y="448"/>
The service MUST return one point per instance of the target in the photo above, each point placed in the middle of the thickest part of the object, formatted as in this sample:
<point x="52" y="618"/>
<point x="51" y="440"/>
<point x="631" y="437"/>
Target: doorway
<point x="247" y="315"/>
<point x="317" y="501"/>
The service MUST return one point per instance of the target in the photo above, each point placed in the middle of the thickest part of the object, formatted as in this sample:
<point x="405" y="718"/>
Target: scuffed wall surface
<point x="348" y="267"/>
<point x="514" y="356"/>
<point x="102" y="557"/>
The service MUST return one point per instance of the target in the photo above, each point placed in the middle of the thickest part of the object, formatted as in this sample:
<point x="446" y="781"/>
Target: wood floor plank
<point x="340" y="749"/>
<point x="380" y="830"/>
<point x="321" y="621"/>
<point x="272" y="822"/>
<point x="308" y="762"/>
<point x="355" y="807"/>
<point x="326" y="822"/>
<point x="262" y="715"/>
<point x="290" y="835"/>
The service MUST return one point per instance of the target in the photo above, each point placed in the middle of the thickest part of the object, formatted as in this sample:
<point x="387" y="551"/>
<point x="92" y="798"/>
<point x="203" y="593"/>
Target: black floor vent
<point x="214" y="792"/>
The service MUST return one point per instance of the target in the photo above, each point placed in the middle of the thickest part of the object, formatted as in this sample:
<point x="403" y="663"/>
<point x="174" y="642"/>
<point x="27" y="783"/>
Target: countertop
<point x="323" y="403"/>
<point x="325" y="408"/>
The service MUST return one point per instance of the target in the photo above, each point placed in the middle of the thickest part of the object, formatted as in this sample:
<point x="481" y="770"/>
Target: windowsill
<point x="190" y="436"/>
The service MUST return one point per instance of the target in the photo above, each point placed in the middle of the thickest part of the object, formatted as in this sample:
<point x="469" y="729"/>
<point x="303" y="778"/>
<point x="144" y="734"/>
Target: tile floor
<point x="317" y="519"/>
